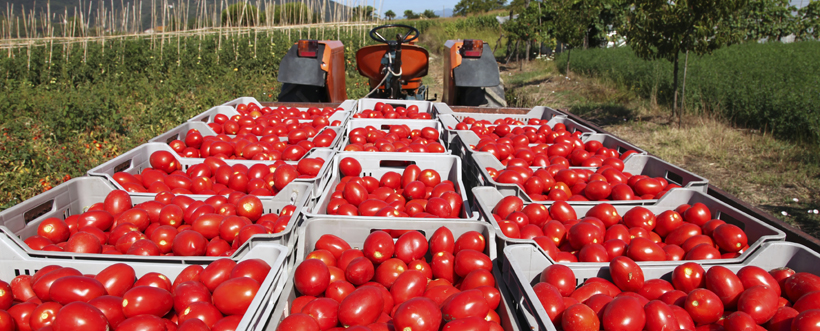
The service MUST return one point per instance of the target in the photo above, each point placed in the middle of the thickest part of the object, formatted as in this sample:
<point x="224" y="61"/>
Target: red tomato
<point x="760" y="302"/>
<point x="332" y="244"/>
<point x="470" y="303"/>
<point x="202" y="311"/>
<point x="411" y="246"/>
<point x="417" y="314"/>
<point x="704" y="306"/>
<point x="468" y="260"/>
<point x="659" y="316"/>
<point x="378" y="247"/>
<point x="807" y="320"/>
<point x="751" y="276"/>
<point x="311" y="277"/>
<point x="324" y="311"/>
<point x="561" y="277"/>
<point x="111" y="307"/>
<point x="147" y="300"/>
<point x="408" y="285"/>
<point x="697" y="214"/>
<point x="80" y="315"/>
<point x="257" y="269"/>
<point x="362" y="307"/>
<point x="579" y="317"/>
<point x="216" y="272"/>
<point x="75" y="288"/>
<point x="298" y="322"/>
<point x="550" y="299"/>
<point x="626" y="274"/>
<point x="234" y="296"/>
<point x="350" y="167"/>
<point x="624" y="313"/>
<point x="188" y="293"/>
<point x="725" y="284"/>
<point x="642" y="249"/>
<point x="730" y="238"/>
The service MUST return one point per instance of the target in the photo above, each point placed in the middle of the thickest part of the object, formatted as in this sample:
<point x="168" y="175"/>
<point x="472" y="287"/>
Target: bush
<point x="771" y="86"/>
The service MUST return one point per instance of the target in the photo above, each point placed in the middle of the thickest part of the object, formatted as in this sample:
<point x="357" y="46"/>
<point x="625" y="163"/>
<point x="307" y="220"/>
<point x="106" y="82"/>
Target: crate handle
<point x="675" y="177"/>
<point x="38" y="211"/>
<point x="395" y="164"/>
<point x="729" y="219"/>
<point x="528" y="318"/>
<point x="123" y="166"/>
<point x="172" y="138"/>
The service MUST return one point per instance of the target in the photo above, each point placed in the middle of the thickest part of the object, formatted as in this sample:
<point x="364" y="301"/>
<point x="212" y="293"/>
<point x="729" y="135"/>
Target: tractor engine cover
<point x="477" y="72"/>
<point x="302" y="70"/>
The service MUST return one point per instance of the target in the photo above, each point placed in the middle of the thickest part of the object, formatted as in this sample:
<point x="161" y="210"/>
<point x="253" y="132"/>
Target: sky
<point x="417" y="6"/>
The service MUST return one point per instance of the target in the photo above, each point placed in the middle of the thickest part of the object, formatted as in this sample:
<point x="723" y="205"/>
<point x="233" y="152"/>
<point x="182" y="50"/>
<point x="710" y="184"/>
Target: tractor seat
<point x="413" y="61"/>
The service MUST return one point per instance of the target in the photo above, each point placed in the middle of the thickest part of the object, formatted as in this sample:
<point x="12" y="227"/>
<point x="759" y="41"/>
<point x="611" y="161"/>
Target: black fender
<point x="302" y="70"/>
<point x="478" y="72"/>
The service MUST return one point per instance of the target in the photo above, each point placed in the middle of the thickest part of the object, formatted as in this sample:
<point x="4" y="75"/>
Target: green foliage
<point x="389" y="14"/>
<point x="809" y="25"/>
<point x="240" y="14"/>
<point x="362" y="13"/>
<point x="292" y="13"/>
<point x="70" y="108"/>
<point x="772" y="86"/>
<point x="760" y="19"/>
<point x="429" y="13"/>
<point x="410" y="15"/>
<point x="466" y="7"/>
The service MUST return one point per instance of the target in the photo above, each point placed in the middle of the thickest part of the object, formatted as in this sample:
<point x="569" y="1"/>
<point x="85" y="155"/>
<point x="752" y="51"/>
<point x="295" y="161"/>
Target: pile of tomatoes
<point x="559" y="183"/>
<point x="266" y="121"/>
<point x="468" y="123"/>
<point x="167" y="225"/>
<point x="215" y="176"/>
<point x="413" y="193"/>
<point x="250" y="147"/>
<point x="399" y="138"/>
<point x="686" y="233"/>
<point x="64" y="299"/>
<point x="387" y="283"/>
<point x="383" y="110"/>
<point x="695" y="299"/>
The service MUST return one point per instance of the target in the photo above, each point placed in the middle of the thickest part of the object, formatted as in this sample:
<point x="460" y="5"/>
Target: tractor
<point x="313" y="70"/>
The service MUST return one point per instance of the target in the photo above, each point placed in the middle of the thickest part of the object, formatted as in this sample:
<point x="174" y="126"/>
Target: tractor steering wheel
<point x="374" y="34"/>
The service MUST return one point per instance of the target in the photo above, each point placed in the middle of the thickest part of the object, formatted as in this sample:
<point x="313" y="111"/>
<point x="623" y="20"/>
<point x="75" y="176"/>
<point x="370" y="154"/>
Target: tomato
<point x="593" y="253"/>
<point x="626" y="274"/>
<point x="350" y="167"/>
<point x="642" y="249"/>
<point x="654" y="289"/>
<point x="147" y="300"/>
<point x="189" y="273"/>
<point x="311" y="277"/>
<point x="606" y="213"/>
<point x="54" y="229"/>
<point x="468" y="260"/>
<point x="189" y="243"/>
<point x="189" y="292"/>
<point x="332" y="244"/>
<point x="579" y="317"/>
<point x="760" y="302"/>
<point x="216" y="272"/>
<point x="68" y="289"/>
<point x="807" y="320"/>
<point x="42" y="284"/>
<point x="739" y="321"/>
<point x="781" y="275"/>
<point x="562" y="211"/>
<point x="43" y="315"/>
<point x="703" y="251"/>
<point x="640" y="217"/>
<point x="667" y="222"/>
<point x="624" y="313"/>
<point x="550" y="299"/>
<point x="659" y="316"/>
<point x="704" y="306"/>
<point x="680" y="234"/>
<point x="111" y="307"/>
<point x="698" y="214"/>
<point x="408" y="285"/>
<point x="230" y="323"/>
<point x="685" y="321"/>
<point x="359" y="271"/>
<point x="234" y="296"/>
<point x="751" y="276"/>
<point x="362" y="307"/>
<point x="584" y="233"/>
<point x="298" y="322"/>
<point x="257" y="269"/>
<point x="730" y="238"/>
<point x="725" y="284"/>
<point x="470" y="303"/>
<point x="83" y="242"/>
<point x="782" y="319"/>
<point x="324" y="311"/>
<point x="411" y="246"/>
<point x="477" y="278"/>
<point x="378" y="247"/>
<point x="807" y="301"/>
<point x="80" y="315"/>
<point x="420" y="314"/>
<point x="201" y="311"/>
<point x="801" y="283"/>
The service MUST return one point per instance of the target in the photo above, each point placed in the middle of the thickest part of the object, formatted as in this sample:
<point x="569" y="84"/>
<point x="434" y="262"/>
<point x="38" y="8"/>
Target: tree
<point x="809" y="24"/>
<point x="410" y="15"/>
<point x="363" y="13"/>
<point x="240" y="14"/>
<point x="429" y="13"/>
<point x="772" y="19"/>
<point x="464" y="7"/>
<point x="390" y="14"/>
<point x="664" y="29"/>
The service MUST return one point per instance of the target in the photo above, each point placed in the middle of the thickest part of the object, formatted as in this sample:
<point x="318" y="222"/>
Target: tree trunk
<point x="586" y="39"/>
<point x="569" y="52"/>
<point x="683" y="88"/>
<point x="675" y="86"/>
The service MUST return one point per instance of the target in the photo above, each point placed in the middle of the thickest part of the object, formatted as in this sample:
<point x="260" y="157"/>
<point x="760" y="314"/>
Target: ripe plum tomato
<point x="704" y="306"/>
<point x="624" y="313"/>
<point x="579" y="317"/>
<point x="626" y="274"/>
<point x="350" y="167"/>
<point x="807" y="320"/>
<point x="378" y="247"/>
<point x="362" y="307"/>
<point x="117" y="278"/>
<point x="298" y="322"/>
<point x="442" y="241"/>
<point x="760" y="302"/>
<point x="311" y="277"/>
<point x="659" y="316"/>
<point x="725" y="284"/>
<point x="80" y="316"/>
<point x="561" y="277"/>
<point x="420" y="314"/>
<point x="75" y="288"/>
<point x="550" y="299"/>
<point x="234" y="296"/>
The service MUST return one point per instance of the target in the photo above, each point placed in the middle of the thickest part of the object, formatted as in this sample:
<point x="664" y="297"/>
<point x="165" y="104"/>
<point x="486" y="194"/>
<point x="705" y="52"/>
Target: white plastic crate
<point x="138" y="159"/>
<point x="181" y="131"/>
<point x="75" y="196"/>
<point x="355" y="232"/>
<point x="377" y="164"/>
<point x="757" y="231"/>
<point x="537" y="112"/>
<point x="385" y="124"/>
<point x="636" y="164"/>
<point x="16" y="262"/>
<point x="524" y="263"/>
<point x="229" y="109"/>
<point x="461" y="145"/>
<point x="424" y="106"/>
<point x="451" y="120"/>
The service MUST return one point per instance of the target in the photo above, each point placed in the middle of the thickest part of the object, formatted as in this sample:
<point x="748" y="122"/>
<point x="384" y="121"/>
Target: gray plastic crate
<point x="385" y="124"/>
<point x="181" y="131"/>
<point x="424" y="106"/>
<point x="465" y="139"/>
<point x="377" y="164"/>
<point x="75" y="196"/>
<point x="524" y="263"/>
<point x="355" y="232"/>
<point x="757" y="231"/>
<point x="636" y="164"/>
<point x="229" y="109"/>
<point x="137" y="160"/>
<point x="537" y="112"/>
<point x="451" y="120"/>
<point x="16" y="262"/>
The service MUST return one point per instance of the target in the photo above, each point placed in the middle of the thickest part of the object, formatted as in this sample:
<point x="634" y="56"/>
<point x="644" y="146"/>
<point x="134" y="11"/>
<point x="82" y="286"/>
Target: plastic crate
<point x="451" y="120"/>
<point x="757" y="231"/>
<point x="228" y="109"/>
<point x="465" y="139"/>
<point x="181" y="131"/>
<point x="524" y="264"/>
<point x="16" y="262"/>
<point x="537" y="112"/>
<point x="377" y="164"/>
<point x="385" y="124"/>
<point x="355" y="232"/>
<point x="75" y="196"/>
<point x="137" y="159"/>
<point x="636" y="164"/>
<point x="424" y="106"/>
